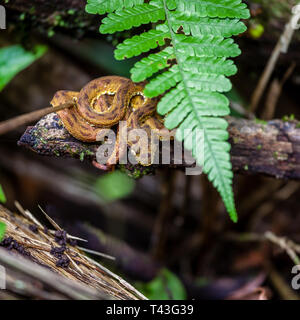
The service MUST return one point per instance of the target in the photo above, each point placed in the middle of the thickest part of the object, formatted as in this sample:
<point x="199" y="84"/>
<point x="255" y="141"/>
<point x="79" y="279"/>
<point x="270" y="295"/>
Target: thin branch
<point x="96" y="253"/>
<point x="274" y="93"/>
<point x="281" y="47"/>
<point x="14" y="123"/>
<point x="285" y="244"/>
<point x="290" y="247"/>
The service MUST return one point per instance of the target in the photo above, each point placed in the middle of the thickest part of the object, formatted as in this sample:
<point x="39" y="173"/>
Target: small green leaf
<point x="132" y="17"/>
<point x="2" y="230"/>
<point x="114" y="186"/>
<point x="213" y="65"/>
<point x="163" y="82"/>
<point x="153" y="63"/>
<point x="165" y="286"/>
<point x="106" y="6"/>
<point x="142" y="43"/>
<point x="2" y="195"/>
<point x="194" y="25"/>
<point x="206" y="45"/>
<point x="215" y="8"/>
<point x="14" y="59"/>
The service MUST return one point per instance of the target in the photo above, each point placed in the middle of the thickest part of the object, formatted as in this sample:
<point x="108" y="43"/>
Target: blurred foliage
<point x="113" y="186"/>
<point x="165" y="286"/>
<point x="256" y="30"/>
<point x="14" y="59"/>
<point x="277" y="8"/>
<point x="2" y="195"/>
<point x="88" y="50"/>
<point x="269" y="16"/>
<point x="2" y="230"/>
<point x="235" y="98"/>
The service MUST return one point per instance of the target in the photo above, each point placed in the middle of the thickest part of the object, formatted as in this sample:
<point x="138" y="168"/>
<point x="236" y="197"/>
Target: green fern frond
<point x="191" y="67"/>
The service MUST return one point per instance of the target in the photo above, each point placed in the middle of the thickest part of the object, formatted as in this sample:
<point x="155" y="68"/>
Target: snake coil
<point x="103" y="103"/>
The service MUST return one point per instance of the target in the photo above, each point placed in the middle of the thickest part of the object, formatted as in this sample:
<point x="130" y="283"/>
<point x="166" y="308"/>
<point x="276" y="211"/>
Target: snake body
<point x="101" y="104"/>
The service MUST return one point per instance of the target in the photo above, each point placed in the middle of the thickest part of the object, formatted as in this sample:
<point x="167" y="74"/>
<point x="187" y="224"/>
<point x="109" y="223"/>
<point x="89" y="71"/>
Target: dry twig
<point x="281" y="47"/>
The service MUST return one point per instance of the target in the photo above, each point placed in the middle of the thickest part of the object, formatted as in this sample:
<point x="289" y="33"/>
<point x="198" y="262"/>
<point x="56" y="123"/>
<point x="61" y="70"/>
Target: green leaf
<point x="153" y="63"/>
<point x="163" y="82"/>
<point x="214" y="8"/>
<point x="106" y="6"/>
<point x="132" y="17"/>
<point x="171" y="100"/>
<point x="206" y="45"/>
<point x="165" y="286"/>
<point x="208" y="65"/>
<point x="217" y="107"/>
<point x="2" y="195"/>
<point x="114" y="186"/>
<point x="195" y="26"/>
<point x="14" y="59"/>
<point x="208" y="82"/>
<point x="142" y="43"/>
<point x="2" y="230"/>
<point x="202" y="81"/>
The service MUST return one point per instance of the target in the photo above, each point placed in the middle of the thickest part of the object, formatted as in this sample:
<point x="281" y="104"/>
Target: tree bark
<point x="271" y="148"/>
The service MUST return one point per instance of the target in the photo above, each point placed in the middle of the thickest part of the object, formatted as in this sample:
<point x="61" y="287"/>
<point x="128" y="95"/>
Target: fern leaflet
<point x="104" y="6"/>
<point x="132" y="17"/>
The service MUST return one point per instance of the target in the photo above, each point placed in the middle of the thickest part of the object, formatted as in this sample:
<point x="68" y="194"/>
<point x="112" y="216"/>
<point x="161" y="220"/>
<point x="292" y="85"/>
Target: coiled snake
<point x="101" y="104"/>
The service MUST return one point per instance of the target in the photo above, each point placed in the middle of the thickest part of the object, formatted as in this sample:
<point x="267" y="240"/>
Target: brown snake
<point x="101" y="104"/>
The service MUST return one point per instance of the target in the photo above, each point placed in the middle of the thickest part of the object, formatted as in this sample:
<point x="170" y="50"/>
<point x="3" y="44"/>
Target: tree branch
<point x="269" y="148"/>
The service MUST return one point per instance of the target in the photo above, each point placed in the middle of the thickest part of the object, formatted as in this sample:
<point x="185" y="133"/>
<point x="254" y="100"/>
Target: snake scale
<point x="101" y="104"/>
